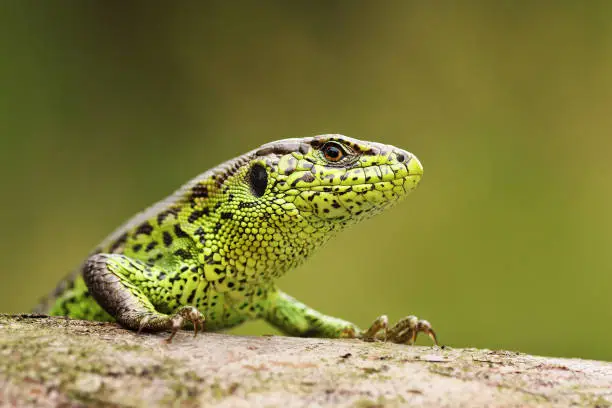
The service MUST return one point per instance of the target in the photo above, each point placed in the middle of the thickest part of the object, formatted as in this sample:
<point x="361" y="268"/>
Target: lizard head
<point x="333" y="178"/>
<point x="266" y="211"/>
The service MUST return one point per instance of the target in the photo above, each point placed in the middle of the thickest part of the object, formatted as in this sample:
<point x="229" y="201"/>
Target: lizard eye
<point x="258" y="177"/>
<point x="333" y="151"/>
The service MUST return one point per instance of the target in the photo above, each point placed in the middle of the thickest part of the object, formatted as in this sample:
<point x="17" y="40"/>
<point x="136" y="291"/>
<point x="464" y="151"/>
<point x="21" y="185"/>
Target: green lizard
<point x="211" y="251"/>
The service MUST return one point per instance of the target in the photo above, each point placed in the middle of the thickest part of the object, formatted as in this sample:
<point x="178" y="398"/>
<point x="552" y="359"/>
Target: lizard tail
<point x="45" y="303"/>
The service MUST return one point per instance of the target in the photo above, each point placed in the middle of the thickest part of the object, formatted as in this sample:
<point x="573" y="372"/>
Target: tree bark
<point x="58" y="362"/>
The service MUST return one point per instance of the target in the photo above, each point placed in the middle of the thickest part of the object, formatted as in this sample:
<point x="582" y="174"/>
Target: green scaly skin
<point x="212" y="251"/>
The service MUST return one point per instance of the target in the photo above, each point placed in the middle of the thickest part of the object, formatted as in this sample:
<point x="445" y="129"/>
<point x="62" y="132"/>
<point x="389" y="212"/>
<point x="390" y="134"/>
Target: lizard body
<point x="212" y="250"/>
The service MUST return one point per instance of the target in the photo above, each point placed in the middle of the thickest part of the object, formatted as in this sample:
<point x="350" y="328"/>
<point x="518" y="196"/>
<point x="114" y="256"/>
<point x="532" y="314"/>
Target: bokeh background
<point x="106" y="107"/>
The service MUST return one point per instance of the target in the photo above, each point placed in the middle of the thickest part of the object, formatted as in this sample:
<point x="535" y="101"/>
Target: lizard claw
<point x="425" y="327"/>
<point x="373" y="333"/>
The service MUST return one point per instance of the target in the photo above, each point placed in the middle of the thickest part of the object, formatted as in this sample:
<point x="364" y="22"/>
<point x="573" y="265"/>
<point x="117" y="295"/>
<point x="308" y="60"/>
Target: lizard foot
<point x="405" y="331"/>
<point x="183" y="314"/>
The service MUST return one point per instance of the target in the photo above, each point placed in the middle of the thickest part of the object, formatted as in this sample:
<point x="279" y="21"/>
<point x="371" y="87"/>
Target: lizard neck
<point x="257" y="249"/>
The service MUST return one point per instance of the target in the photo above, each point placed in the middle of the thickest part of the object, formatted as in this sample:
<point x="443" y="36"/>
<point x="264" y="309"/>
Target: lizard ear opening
<point x="258" y="177"/>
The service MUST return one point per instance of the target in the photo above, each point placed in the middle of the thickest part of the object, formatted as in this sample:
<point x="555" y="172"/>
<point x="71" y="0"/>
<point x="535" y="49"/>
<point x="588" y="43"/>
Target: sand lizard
<point x="210" y="252"/>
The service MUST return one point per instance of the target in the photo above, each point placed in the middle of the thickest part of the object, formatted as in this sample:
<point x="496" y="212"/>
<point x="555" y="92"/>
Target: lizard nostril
<point x="401" y="157"/>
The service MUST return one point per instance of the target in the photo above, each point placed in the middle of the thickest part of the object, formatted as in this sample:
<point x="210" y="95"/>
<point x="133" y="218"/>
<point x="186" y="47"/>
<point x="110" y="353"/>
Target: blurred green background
<point x="106" y="107"/>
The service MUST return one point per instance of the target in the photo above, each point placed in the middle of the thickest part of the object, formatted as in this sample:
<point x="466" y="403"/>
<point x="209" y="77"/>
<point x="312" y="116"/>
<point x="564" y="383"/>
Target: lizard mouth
<point x="415" y="168"/>
<point x="381" y="177"/>
<point x="336" y="194"/>
<point x="355" y="201"/>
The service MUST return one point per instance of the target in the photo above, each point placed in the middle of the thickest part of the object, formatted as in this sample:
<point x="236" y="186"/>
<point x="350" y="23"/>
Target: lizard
<point x="209" y="254"/>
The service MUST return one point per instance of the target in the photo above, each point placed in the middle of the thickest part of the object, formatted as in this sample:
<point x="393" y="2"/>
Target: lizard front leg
<point x="296" y="319"/>
<point x="109" y="278"/>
